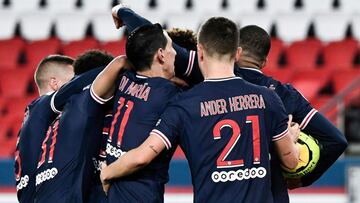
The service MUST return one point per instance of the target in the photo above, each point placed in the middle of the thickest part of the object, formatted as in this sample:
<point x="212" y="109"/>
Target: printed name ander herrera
<point x="236" y="103"/>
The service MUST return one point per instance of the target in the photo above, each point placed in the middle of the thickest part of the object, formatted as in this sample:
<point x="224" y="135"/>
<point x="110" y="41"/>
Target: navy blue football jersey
<point x="138" y="104"/>
<point x="226" y="128"/>
<point x="65" y="167"/>
<point x="38" y="116"/>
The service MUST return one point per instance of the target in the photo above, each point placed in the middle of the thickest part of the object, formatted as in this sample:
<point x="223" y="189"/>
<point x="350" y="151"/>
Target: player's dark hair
<point x="184" y="38"/>
<point x="219" y="36"/>
<point x="142" y="45"/>
<point x="91" y="59"/>
<point x="255" y="42"/>
<point x="45" y="64"/>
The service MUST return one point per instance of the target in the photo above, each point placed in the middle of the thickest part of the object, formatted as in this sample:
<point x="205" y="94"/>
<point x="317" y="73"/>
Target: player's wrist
<point x="116" y="8"/>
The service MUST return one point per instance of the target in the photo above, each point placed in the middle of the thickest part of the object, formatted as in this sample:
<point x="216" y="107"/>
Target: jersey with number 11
<point x="138" y="104"/>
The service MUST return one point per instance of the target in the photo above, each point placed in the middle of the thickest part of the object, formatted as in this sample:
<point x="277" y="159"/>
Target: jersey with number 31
<point x="226" y="128"/>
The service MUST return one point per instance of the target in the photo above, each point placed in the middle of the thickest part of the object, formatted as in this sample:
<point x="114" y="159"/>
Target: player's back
<point x="294" y="104"/>
<point x="138" y="103"/>
<point x="228" y="129"/>
<point x="65" y="167"/>
<point x="38" y="116"/>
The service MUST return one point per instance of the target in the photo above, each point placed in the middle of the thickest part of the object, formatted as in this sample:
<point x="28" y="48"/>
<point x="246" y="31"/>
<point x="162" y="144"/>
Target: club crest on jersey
<point x="158" y="122"/>
<point x="272" y="87"/>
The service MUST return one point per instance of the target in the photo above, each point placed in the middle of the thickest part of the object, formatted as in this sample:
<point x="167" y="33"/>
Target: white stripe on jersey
<point x="52" y="104"/>
<point x="280" y="136"/>
<point x="161" y="135"/>
<point x="190" y="64"/>
<point x="307" y="118"/>
<point x="97" y="98"/>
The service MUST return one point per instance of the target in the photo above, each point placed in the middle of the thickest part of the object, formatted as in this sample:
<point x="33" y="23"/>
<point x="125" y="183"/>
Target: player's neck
<point x="218" y="69"/>
<point x="154" y="72"/>
<point x="248" y="62"/>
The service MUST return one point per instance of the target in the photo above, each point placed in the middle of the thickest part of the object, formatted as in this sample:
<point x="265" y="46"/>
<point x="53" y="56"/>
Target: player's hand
<point x="293" y="183"/>
<point x="104" y="181"/>
<point x="294" y="129"/>
<point x="118" y="22"/>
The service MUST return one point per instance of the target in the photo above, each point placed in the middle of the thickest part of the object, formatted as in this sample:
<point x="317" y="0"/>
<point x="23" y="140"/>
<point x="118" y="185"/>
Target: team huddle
<point x="104" y="129"/>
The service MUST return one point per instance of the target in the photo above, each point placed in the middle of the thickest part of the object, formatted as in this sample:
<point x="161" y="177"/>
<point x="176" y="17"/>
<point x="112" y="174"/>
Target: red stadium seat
<point x="37" y="50"/>
<point x="302" y="55"/>
<point x="276" y="50"/>
<point x="320" y="101"/>
<point x="2" y="106"/>
<point x="5" y="127"/>
<point x="14" y="83"/>
<point x="116" y="48"/>
<point x="9" y="52"/>
<point x="309" y="83"/>
<point x="342" y="80"/>
<point x="341" y="54"/>
<point x="16" y="107"/>
<point x="74" y="48"/>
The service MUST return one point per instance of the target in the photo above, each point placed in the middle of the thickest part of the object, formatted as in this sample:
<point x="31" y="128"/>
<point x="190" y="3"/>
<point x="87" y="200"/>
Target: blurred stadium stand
<point x="315" y="46"/>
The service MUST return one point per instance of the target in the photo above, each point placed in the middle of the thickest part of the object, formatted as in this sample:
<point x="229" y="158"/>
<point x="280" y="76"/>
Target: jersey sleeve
<point x="76" y="85"/>
<point x="97" y="98"/>
<point x="303" y="111"/>
<point x="333" y="143"/>
<point x="279" y="116"/>
<point x="131" y="19"/>
<point x="168" y="127"/>
<point x="186" y="65"/>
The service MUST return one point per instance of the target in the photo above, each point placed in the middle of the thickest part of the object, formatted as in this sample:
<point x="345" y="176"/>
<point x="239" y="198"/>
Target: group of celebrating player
<point x="108" y="133"/>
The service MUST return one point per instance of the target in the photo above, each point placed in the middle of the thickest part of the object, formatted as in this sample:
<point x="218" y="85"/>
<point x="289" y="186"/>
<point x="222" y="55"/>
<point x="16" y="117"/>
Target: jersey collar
<point x="141" y="76"/>
<point x="252" y="69"/>
<point x="222" y="79"/>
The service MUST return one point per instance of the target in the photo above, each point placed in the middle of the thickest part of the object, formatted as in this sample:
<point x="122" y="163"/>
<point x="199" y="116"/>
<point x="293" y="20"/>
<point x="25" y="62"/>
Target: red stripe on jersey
<point x="52" y="146"/>
<point x="124" y="121"/>
<point x="165" y="140"/>
<point x="280" y="136"/>
<point x="121" y="104"/>
<point x="307" y="118"/>
<point x="43" y="147"/>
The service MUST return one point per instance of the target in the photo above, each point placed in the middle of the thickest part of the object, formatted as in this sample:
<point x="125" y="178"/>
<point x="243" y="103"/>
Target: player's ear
<point x="238" y="53"/>
<point x="200" y="51"/>
<point x="53" y="83"/>
<point x="160" y="55"/>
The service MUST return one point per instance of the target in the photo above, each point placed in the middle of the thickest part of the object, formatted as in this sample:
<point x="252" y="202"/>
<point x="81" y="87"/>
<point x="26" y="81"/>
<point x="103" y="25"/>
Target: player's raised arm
<point x="104" y="84"/>
<point x="125" y="16"/>
<point x="186" y="65"/>
<point x="286" y="146"/>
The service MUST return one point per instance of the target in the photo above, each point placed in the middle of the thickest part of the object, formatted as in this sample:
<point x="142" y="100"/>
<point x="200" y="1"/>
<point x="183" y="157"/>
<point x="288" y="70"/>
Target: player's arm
<point x="286" y="146"/>
<point x="186" y="65"/>
<point x="333" y="142"/>
<point x="133" y="160"/>
<point x="104" y="84"/>
<point x="74" y="86"/>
